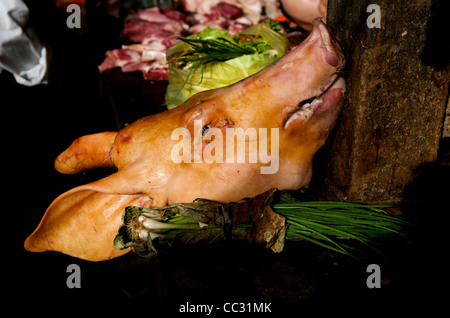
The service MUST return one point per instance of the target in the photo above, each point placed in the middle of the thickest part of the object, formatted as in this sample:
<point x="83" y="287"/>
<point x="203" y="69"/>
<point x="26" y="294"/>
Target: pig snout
<point x="331" y="50"/>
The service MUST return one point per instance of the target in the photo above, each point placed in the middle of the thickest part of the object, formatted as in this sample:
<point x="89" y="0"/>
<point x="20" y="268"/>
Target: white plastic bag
<point x="21" y="52"/>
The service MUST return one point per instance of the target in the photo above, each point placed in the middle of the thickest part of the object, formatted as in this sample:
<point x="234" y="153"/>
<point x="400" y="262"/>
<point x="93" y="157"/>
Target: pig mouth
<point x="307" y="108"/>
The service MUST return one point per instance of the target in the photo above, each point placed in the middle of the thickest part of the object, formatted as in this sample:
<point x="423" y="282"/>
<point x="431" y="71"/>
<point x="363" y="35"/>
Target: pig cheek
<point x="318" y="132"/>
<point x="295" y="165"/>
<point x="304" y="137"/>
<point x="297" y="129"/>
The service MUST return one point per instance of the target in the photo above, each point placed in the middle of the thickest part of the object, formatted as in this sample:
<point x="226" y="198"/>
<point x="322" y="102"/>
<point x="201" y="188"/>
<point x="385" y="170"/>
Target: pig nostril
<point x="331" y="58"/>
<point x="329" y="45"/>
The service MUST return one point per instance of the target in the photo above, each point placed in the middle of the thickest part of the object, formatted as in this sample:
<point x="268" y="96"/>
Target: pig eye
<point x="205" y="130"/>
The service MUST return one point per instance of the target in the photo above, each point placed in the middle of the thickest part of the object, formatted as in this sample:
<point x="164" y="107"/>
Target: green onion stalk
<point x="355" y="230"/>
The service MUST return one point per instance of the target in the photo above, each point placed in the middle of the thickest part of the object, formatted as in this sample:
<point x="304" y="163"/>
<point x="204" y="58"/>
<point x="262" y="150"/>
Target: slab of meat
<point x="156" y="15"/>
<point x="136" y="30"/>
<point x="225" y="15"/>
<point x="228" y="10"/>
<point x="124" y="58"/>
<point x="156" y="30"/>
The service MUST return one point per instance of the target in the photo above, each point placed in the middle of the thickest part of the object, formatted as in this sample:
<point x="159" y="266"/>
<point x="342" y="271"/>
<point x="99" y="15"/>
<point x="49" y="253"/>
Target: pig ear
<point x="83" y="223"/>
<point x="87" y="152"/>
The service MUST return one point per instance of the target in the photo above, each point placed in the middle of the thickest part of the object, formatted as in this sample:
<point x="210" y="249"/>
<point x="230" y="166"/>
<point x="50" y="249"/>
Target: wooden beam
<point x="398" y="81"/>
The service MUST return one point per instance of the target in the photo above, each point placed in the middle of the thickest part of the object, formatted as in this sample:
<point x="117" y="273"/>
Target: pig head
<point x="284" y="113"/>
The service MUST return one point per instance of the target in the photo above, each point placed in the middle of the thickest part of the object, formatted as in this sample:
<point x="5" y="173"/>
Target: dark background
<point x="41" y="121"/>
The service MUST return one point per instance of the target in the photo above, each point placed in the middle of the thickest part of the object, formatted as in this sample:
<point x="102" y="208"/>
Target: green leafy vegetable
<point x="212" y="59"/>
<point x="273" y="25"/>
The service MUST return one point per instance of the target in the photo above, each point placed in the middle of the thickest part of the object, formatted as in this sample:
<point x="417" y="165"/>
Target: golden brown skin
<point x="87" y="152"/>
<point x="83" y="221"/>
<point x="83" y="225"/>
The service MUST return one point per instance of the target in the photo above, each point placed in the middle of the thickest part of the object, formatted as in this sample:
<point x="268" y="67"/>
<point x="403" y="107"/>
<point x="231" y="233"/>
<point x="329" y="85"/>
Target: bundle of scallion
<point x="348" y="228"/>
<point x="356" y="230"/>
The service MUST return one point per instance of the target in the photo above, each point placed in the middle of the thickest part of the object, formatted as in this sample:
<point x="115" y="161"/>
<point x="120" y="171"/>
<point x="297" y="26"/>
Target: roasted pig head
<point x="223" y="145"/>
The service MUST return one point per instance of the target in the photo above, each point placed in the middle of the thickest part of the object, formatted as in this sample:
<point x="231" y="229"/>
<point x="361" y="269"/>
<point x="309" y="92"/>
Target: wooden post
<point x="397" y="77"/>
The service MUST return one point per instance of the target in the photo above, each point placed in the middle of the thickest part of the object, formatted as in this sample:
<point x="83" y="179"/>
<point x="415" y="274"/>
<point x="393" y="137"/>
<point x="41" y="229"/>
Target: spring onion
<point x="355" y="230"/>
